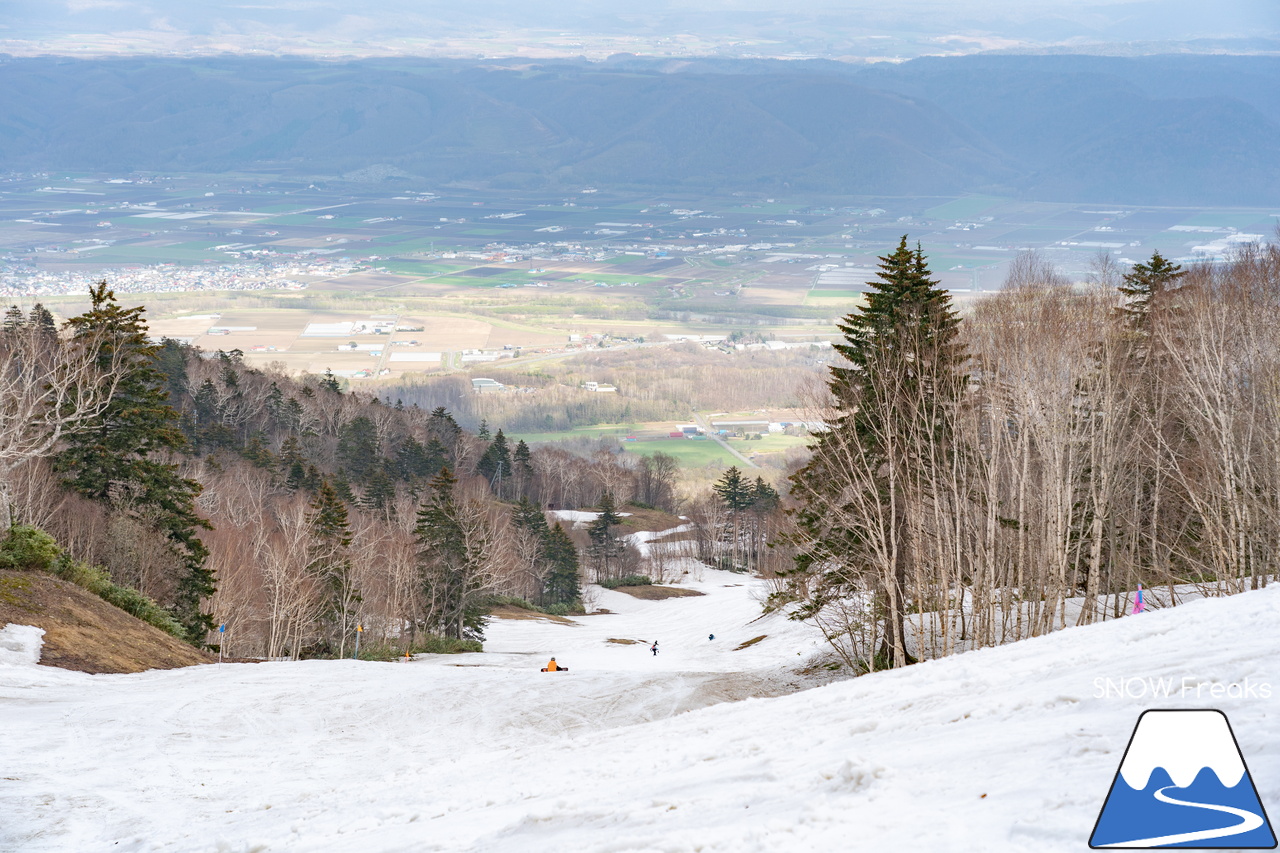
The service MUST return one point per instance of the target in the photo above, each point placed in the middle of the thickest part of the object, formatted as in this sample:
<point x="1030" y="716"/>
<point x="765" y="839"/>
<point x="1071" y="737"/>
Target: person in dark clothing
<point x="654" y="648"/>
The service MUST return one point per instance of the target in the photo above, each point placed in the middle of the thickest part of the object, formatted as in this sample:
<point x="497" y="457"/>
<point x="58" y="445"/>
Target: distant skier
<point x="554" y="667"/>
<point x="654" y="648"/>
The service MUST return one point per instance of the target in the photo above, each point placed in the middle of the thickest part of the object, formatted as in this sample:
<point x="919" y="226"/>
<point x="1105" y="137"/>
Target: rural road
<point x="745" y="461"/>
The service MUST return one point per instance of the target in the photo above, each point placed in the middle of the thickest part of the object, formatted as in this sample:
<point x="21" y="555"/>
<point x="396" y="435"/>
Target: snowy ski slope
<point x="1002" y="749"/>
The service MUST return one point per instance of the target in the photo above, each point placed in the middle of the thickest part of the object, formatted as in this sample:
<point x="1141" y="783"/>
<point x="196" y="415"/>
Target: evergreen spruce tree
<point x="561" y="585"/>
<point x="442" y="424"/>
<point x="522" y="460"/>
<point x="342" y="486"/>
<point x="437" y="457"/>
<point x="171" y="361"/>
<point x="521" y="469"/>
<point x="294" y="463"/>
<point x="14" y="319"/>
<point x="526" y="515"/>
<point x="330" y="535"/>
<point x="358" y="449"/>
<point x="764" y="498"/>
<point x="42" y="319"/>
<point x="608" y="511"/>
<point x="258" y="453"/>
<point x="734" y="491"/>
<point x="453" y="586"/>
<point x="1146" y="284"/>
<point x="605" y="550"/>
<point x="411" y="460"/>
<point x="736" y="494"/>
<point x="902" y="349"/>
<point x="495" y="463"/>
<point x="129" y="444"/>
<point x="330" y="383"/>
<point x="380" y="491"/>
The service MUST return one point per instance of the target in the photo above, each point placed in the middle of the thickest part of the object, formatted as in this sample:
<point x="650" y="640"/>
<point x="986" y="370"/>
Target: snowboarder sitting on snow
<point x="554" y="667"/>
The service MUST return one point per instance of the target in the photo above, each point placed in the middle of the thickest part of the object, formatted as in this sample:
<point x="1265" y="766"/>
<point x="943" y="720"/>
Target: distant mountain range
<point x="1196" y="130"/>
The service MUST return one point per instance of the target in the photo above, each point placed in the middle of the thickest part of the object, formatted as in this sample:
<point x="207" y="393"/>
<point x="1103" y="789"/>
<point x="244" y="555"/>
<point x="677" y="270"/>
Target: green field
<point x="689" y="453"/>
<point x="770" y="443"/>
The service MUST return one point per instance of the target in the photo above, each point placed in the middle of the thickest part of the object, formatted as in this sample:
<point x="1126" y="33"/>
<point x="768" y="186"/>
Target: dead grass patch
<point x="652" y="592"/>
<point x="622" y="642"/>
<point x="749" y="643"/>
<point x="648" y="519"/>
<point x="506" y="611"/>
<point x="85" y="633"/>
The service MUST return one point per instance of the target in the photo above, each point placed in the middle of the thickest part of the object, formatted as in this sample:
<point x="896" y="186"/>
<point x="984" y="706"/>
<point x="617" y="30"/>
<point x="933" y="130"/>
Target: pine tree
<point x="526" y="515"/>
<point x="358" y="449"/>
<point x="495" y="463"/>
<point x="342" y="486"/>
<point x="129" y="443"/>
<point x="605" y="550"/>
<point x="442" y="424"/>
<point x="898" y="394"/>
<point x="330" y="561"/>
<point x="522" y="469"/>
<point x="294" y="463"/>
<point x="561" y="586"/>
<point x="764" y="498"/>
<point x="411" y="460"/>
<point x="329" y="382"/>
<point x="734" y="491"/>
<point x="258" y="453"/>
<point x="483" y="432"/>
<point x="608" y="511"/>
<point x="171" y="361"/>
<point x="380" y="491"/>
<point x="452" y="562"/>
<point x="14" y="319"/>
<point x="736" y="494"/>
<point x="437" y="457"/>
<point x="42" y="319"/>
<point x="1144" y="286"/>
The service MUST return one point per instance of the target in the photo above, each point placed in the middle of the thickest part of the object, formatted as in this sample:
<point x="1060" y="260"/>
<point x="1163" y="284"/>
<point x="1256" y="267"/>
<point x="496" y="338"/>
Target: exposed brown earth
<point x="506" y="611"/>
<point x="85" y="633"/>
<point x="652" y="592"/>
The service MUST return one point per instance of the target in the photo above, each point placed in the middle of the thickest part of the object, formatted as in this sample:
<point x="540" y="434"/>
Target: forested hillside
<point x="292" y="511"/>
<point x="1052" y="128"/>
<point x="1035" y="464"/>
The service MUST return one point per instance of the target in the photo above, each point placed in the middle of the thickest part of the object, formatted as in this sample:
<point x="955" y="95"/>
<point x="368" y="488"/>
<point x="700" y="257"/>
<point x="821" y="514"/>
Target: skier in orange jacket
<point x="554" y="667"/>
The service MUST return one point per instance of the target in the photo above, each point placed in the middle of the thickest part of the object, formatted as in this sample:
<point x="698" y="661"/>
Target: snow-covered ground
<point x="1003" y="749"/>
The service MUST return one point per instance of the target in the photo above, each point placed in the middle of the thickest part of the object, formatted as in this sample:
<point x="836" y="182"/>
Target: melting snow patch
<point x="20" y="645"/>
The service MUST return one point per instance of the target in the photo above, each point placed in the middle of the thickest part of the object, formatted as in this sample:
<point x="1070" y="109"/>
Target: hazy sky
<point x="414" y="26"/>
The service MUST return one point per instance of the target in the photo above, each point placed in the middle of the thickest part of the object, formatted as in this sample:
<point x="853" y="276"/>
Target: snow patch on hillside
<point x="20" y="645"/>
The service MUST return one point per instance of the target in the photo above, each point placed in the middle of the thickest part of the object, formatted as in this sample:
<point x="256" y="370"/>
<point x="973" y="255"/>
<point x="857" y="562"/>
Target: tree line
<point x="1026" y="467"/>
<point x="287" y="509"/>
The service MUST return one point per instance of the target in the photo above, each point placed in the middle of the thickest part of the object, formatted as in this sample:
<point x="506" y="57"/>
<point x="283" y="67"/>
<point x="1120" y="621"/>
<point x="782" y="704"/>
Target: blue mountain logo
<point x="1183" y="783"/>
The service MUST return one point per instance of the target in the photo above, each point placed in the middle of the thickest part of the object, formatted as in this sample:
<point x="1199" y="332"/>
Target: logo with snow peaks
<point x="1183" y="783"/>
